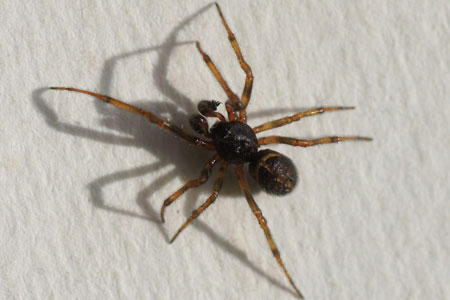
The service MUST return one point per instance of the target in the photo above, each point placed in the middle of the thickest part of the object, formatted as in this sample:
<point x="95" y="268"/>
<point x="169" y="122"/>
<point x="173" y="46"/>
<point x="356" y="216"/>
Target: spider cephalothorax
<point x="234" y="142"/>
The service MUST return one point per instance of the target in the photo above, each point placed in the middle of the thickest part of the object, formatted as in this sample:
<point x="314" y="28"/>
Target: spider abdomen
<point x="274" y="172"/>
<point x="235" y="141"/>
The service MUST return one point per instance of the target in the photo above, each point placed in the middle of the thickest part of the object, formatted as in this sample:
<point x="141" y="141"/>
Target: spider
<point x="235" y="143"/>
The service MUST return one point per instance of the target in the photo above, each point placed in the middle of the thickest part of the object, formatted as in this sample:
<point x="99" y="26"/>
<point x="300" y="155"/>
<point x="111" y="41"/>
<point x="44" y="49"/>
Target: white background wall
<point x="82" y="182"/>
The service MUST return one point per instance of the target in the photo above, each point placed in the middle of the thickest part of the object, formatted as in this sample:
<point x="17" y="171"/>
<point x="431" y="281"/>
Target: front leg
<point x="166" y="125"/>
<point x="247" y="92"/>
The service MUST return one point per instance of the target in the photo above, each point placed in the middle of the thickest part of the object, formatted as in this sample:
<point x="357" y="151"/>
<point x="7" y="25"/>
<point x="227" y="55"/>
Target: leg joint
<point x="335" y="139"/>
<point x="275" y="252"/>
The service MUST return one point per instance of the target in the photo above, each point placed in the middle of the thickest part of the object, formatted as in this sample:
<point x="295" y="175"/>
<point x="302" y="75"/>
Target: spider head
<point x="235" y="141"/>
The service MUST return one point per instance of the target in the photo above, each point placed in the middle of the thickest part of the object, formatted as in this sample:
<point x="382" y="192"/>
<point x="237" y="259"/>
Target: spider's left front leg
<point x="308" y="143"/>
<point x="298" y="116"/>
<point x="263" y="223"/>
<point x="208" y="202"/>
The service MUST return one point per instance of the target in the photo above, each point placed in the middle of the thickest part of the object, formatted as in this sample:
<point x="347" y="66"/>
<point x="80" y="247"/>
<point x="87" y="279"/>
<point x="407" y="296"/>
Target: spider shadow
<point x="126" y="130"/>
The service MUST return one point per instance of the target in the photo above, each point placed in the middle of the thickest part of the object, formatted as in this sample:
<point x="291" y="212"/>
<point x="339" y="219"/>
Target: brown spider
<point x="234" y="142"/>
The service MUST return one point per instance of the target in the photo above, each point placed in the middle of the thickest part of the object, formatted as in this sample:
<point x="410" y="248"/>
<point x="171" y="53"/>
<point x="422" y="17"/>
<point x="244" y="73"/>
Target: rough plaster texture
<point x="82" y="182"/>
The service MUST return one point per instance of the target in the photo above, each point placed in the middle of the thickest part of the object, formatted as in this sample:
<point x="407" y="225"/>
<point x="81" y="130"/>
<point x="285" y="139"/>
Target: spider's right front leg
<point x="146" y="114"/>
<point x="212" y="67"/>
<point x="204" y="175"/>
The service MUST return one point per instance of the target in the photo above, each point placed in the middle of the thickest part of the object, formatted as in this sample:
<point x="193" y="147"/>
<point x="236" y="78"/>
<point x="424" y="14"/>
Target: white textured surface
<point x="82" y="183"/>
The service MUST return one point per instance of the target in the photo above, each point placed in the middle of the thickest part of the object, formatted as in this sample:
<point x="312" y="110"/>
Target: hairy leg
<point x="212" y="67"/>
<point x="204" y="175"/>
<point x="230" y="111"/>
<point x="307" y="143"/>
<point x="146" y="114"/>
<point x="246" y="94"/>
<point x="296" y="117"/>
<point x="263" y="223"/>
<point x="208" y="202"/>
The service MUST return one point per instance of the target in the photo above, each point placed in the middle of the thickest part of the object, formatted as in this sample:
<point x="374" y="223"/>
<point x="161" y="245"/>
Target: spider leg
<point x="230" y="111"/>
<point x="204" y="175"/>
<point x="212" y="67"/>
<point x="146" y="114"/>
<point x="263" y="223"/>
<point x="208" y="202"/>
<point x="297" y="116"/>
<point x="308" y="143"/>
<point x="246" y="94"/>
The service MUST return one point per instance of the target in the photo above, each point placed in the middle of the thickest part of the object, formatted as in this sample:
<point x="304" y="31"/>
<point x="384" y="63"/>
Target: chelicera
<point x="235" y="144"/>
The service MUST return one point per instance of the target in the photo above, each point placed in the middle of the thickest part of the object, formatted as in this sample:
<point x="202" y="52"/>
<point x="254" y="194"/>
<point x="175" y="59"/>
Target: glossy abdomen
<point x="274" y="172"/>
